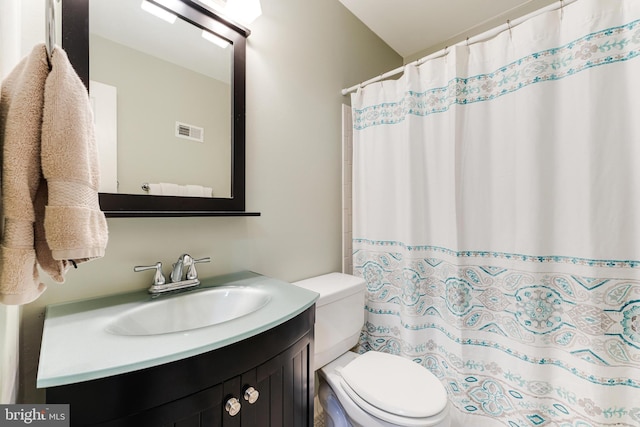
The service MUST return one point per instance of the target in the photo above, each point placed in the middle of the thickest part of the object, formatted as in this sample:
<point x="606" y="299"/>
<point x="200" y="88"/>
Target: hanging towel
<point x="194" y="190"/>
<point x="21" y="103"/>
<point x="155" y="189"/>
<point x="198" y="191"/>
<point x="171" y="189"/>
<point x="75" y="227"/>
<point x="46" y="132"/>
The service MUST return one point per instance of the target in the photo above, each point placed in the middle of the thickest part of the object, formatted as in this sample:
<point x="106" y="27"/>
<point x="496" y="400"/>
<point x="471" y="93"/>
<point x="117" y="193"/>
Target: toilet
<point x="374" y="389"/>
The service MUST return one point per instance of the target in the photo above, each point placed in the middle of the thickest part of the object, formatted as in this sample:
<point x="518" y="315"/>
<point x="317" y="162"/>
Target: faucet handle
<point x="158" y="278"/>
<point x="191" y="272"/>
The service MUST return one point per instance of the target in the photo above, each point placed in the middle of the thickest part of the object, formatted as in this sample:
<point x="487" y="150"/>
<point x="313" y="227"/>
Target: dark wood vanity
<point x="195" y="391"/>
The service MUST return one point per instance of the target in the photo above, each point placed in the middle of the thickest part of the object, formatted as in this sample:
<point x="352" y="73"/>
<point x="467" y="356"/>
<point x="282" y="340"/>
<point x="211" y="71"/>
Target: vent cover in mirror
<point x="191" y="132"/>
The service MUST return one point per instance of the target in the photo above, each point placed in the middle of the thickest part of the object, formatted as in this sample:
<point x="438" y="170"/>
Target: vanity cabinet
<point x="274" y="368"/>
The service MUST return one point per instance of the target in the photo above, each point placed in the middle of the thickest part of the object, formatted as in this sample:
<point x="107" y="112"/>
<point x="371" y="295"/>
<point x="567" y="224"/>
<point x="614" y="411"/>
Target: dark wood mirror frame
<point x="75" y="41"/>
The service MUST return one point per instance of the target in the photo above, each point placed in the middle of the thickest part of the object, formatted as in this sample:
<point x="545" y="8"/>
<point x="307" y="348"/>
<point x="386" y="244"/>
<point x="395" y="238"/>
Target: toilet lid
<point x="395" y="385"/>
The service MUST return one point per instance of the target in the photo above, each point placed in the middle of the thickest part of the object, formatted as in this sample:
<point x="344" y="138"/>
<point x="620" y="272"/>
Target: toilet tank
<point x="339" y="314"/>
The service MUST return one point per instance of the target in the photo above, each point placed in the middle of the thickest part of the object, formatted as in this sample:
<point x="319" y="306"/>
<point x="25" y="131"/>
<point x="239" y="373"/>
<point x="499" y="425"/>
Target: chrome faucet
<point x="185" y="261"/>
<point x="185" y="268"/>
<point x="179" y="280"/>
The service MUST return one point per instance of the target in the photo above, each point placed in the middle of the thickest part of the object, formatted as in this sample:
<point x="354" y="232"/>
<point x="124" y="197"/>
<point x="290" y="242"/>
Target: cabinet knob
<point x="251" y="395"/>
<point x="233" y="406"/>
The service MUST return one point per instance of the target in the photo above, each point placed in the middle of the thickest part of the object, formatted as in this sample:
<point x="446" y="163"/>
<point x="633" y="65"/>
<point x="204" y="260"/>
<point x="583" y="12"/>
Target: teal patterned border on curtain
<point x="508" y="256"/>
<point x="463" y="311"/>
<point x="608" y="46"/>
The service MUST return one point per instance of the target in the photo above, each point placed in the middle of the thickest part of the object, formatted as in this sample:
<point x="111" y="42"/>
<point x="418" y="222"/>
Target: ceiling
<point x="412" y="27"/>
<point x="124" y="22"/>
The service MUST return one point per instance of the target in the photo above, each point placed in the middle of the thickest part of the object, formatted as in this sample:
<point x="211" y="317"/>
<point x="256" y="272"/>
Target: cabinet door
<point x="198" y="410"/>
<point x="285" y="385"/>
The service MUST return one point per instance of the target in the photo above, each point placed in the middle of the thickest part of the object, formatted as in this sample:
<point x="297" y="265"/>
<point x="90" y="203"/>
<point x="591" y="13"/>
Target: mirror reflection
<point x="162" y="99"/>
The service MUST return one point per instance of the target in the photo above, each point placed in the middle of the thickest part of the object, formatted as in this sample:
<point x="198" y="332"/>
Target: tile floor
<point x="318" y="416"/>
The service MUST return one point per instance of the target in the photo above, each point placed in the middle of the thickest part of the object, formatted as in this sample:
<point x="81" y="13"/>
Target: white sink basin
<point x="189" y="311"/>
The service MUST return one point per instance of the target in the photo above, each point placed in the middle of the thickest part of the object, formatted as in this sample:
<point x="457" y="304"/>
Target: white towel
<point x="170" y="189"/>
<point x="194" y="190"/>
<point x="155" y="190"/>
<point x="199" y="191"/>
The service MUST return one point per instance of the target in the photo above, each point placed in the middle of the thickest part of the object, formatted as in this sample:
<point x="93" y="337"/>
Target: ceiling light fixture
<point x="158" y="11"/>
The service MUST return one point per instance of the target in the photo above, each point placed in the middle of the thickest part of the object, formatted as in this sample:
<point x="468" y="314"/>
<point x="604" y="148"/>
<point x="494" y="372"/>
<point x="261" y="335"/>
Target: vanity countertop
<point x="77" y="347"/>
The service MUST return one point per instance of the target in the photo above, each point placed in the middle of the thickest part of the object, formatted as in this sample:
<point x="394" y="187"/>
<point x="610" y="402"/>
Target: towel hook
<point x="50" y="27"/>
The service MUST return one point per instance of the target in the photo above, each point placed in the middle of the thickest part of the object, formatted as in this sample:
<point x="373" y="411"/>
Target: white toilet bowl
<point x="365" y="397"/>
<point x="370" y="390"/>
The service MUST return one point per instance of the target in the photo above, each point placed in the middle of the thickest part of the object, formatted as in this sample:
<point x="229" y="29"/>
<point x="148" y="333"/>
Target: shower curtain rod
<point x="469" y="41"/>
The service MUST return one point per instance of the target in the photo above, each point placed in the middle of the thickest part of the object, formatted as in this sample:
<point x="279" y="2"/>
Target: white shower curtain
<point x="497" y="219"/>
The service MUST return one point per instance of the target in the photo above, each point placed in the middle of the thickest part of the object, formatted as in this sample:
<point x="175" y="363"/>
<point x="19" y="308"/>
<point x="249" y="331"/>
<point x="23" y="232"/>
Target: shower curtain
<point x="497" y="219"/>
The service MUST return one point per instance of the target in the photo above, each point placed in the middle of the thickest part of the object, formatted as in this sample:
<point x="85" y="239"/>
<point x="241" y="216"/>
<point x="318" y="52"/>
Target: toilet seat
<point x="373" y="379"/>
<point x="392" y="419"/>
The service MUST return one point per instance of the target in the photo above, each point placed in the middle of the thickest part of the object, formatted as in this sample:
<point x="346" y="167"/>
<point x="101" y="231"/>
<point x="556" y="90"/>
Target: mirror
<point x="147" y="95"/>
<point x="176" y="122"/>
